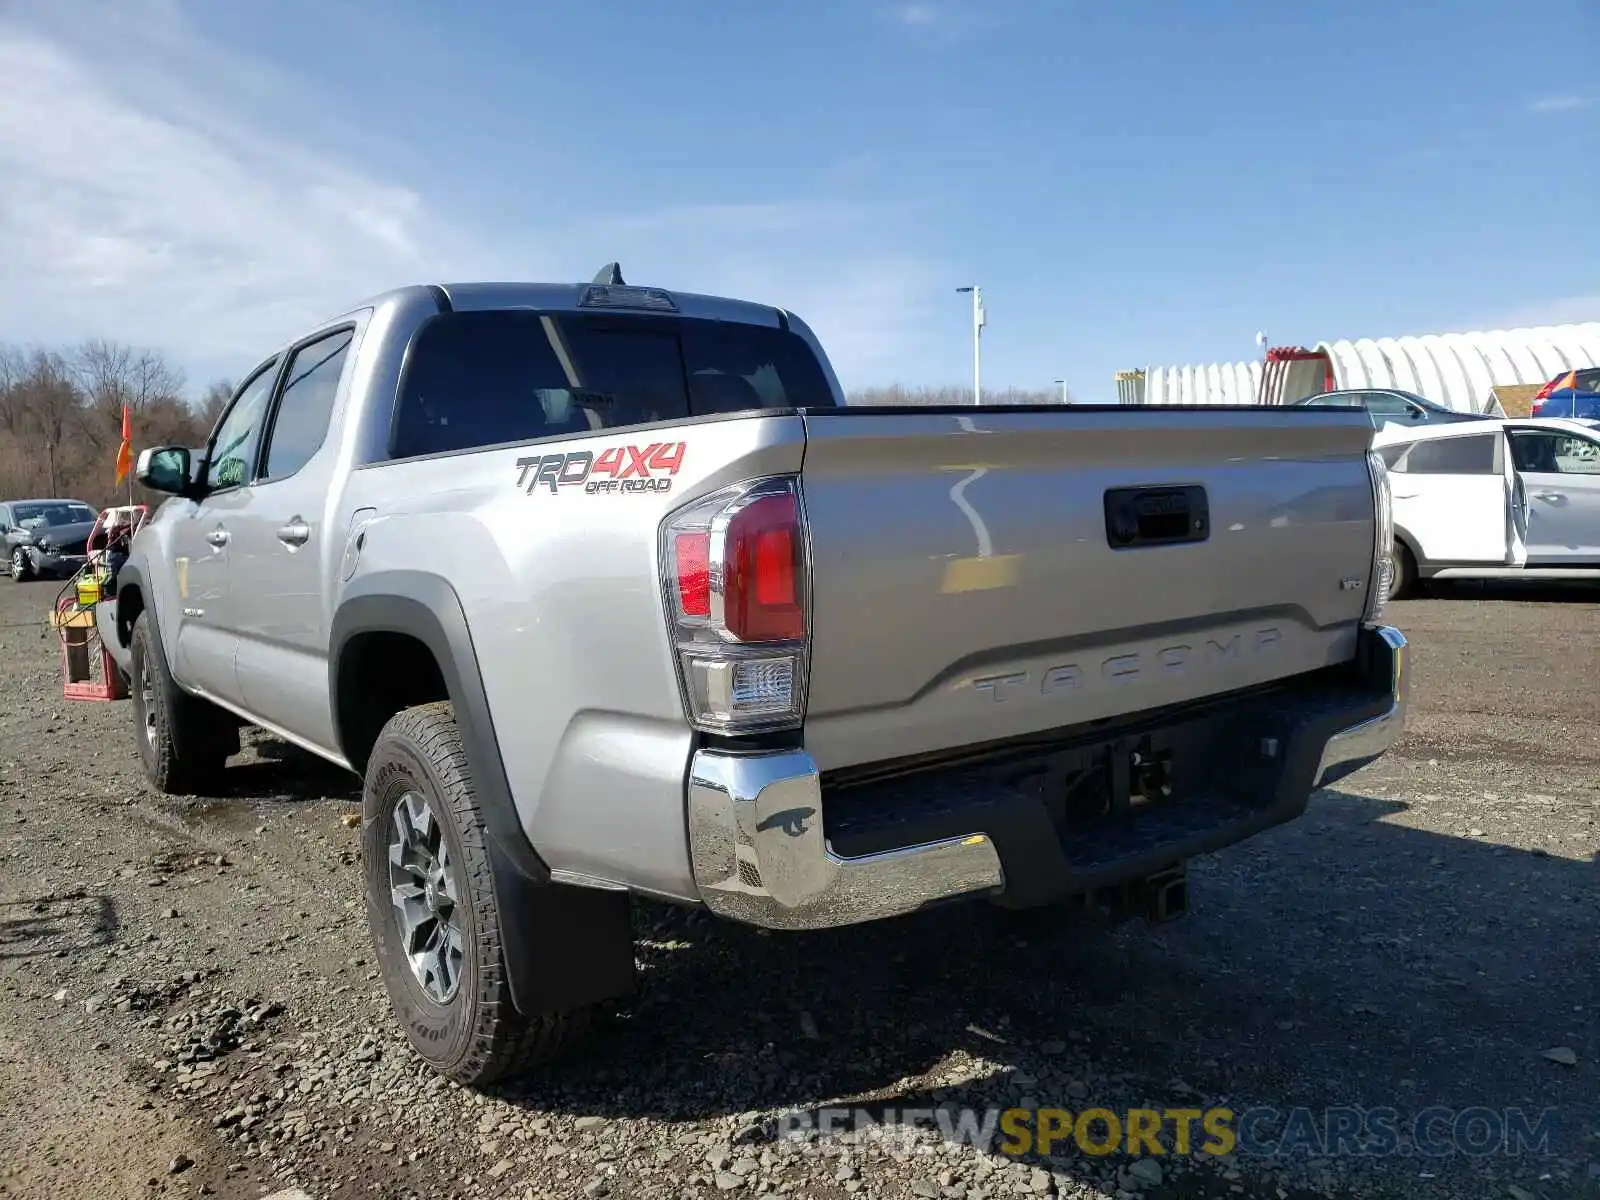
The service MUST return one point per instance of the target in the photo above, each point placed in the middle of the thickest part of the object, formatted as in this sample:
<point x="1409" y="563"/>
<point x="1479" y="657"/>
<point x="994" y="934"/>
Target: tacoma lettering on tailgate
<point x="1172" y="660"/>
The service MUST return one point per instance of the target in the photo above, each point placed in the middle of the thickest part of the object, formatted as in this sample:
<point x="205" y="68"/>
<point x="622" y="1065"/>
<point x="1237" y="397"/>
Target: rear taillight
<point x="735" y="577"/>
<point x="1381" y="577"/>
<point x="691" y="562"/>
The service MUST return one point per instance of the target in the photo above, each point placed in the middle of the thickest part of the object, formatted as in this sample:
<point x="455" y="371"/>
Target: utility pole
<point x="979" y="318"/>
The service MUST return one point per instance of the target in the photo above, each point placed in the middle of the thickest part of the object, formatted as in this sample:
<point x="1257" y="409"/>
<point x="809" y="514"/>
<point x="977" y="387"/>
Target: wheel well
<point x="379" y="675"/>
<point x="130" y="603"/>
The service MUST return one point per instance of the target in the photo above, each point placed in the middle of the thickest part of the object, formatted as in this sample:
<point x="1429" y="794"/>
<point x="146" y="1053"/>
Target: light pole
<point x="978" y="319"/>
<point x="1063" y="384"/>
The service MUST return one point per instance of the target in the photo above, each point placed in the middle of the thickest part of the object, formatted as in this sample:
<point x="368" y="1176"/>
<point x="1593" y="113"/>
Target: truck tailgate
<point x="966" y="587"/>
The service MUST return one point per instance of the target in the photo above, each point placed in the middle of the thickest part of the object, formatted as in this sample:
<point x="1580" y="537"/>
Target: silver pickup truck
<point x="603" y="591"/>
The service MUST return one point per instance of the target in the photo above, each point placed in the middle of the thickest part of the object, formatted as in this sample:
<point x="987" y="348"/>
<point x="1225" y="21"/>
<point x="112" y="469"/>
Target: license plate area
<point x="1123" y="778"/>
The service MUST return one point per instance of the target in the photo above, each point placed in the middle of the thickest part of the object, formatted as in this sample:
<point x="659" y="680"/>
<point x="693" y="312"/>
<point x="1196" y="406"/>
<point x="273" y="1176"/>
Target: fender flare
<point x="426" y="607"/>
<point x="131" y="576"/>
<point x="564" y="946"/>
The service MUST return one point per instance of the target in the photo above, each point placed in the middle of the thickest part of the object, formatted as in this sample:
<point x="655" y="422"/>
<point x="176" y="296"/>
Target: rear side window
<point x="305" y="404"/>
<point x="1453" y="456"/>
<point x="1387" y="405"/>
<point x="484" y="378"/>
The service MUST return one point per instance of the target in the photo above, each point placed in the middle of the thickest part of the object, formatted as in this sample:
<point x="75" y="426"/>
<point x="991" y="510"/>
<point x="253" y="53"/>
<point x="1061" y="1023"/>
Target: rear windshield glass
<point x="482" y="378"/>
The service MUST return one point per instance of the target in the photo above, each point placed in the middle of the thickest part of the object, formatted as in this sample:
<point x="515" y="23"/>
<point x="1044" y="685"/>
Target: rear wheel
<point x="184" y="741"/>
<point x="432" y="911"/>
<point x="1404" y="577"/>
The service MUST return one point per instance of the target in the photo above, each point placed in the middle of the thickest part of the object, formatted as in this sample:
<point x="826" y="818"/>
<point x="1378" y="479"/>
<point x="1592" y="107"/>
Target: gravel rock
<point x="259" y="1036"/>
<point x="1146" y="1170"/>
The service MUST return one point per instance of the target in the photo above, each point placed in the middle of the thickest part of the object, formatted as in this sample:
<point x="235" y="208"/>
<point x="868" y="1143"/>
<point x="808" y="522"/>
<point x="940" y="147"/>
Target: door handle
<point x="218" y="537"/>
<point x="295" y="533"/>
<point x="1547" y="495"/>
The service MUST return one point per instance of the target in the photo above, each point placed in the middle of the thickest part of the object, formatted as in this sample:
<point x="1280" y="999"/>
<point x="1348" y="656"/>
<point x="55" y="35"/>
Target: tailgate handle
<point x="1156" y="516"/>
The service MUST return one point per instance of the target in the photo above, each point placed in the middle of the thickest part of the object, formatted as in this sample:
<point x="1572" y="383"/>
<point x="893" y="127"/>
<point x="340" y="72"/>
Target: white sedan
<point x="1511" y="497"/>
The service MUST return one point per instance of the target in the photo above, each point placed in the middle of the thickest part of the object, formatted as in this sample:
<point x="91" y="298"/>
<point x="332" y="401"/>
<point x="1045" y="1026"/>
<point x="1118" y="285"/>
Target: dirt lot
<point x="188" y="1004"/>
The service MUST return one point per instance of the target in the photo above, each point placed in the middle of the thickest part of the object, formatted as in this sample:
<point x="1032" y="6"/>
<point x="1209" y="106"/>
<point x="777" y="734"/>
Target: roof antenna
<point x="611" y="275"/>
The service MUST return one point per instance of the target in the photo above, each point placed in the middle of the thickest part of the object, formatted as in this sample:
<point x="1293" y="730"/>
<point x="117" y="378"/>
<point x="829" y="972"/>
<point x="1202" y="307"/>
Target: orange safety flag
<point x="125" y="451"/>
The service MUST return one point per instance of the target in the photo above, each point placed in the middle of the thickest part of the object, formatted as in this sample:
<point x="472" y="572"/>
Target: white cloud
<point x="1562" y="103"/>
<point x="205" y="236"/>
<point x="917" y="14"/>
<point x="944" y="21"/>
<point x="148" y="198"/>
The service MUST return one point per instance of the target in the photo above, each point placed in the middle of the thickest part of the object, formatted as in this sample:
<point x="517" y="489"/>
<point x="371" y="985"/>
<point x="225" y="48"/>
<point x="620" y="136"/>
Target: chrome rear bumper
<point x="760" y="856"/>
<point x="1354" y="747"/>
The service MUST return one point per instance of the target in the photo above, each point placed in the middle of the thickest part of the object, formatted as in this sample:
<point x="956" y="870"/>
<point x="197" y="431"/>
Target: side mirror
<point x="165" y="469"/>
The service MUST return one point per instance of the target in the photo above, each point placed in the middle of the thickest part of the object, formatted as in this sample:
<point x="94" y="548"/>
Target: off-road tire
<point x="186" y="745"/>
<point x="478" y="1036"/>
<point x="19" y="566"/>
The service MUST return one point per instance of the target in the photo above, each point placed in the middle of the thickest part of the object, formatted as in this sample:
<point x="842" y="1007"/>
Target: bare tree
<point x="111" y="375"/>
<point x="13" y="366"/>
<point x="50" y="409"/>
<point x="61" y="416"/>
<point x="215" y="399"/>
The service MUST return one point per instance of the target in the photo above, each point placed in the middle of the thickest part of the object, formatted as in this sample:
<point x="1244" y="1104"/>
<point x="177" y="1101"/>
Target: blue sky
<point x="1132" y="183"/>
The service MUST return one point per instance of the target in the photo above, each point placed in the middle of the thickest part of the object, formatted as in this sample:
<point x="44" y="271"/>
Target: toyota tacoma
<point x="604" y="591"/>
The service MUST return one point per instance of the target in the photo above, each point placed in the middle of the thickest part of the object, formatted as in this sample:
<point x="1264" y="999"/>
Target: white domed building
<point x="1470" y="372"/>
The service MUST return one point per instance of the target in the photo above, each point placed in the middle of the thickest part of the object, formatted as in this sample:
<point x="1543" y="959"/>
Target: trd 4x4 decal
<point x="619" y="469"/>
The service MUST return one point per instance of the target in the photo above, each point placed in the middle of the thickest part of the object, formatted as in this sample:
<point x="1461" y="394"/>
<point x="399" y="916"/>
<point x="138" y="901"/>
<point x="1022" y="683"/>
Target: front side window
<point x="1453" y="456"/>
<point x="485" y="378"/>
<point x="1548" y="452"/>
<point x="233" y="448"/>
<point x="305" y="405"/>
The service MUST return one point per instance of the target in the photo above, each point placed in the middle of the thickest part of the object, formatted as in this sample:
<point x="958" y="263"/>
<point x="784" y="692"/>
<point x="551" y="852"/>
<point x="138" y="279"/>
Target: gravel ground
<point x="188" y="1004"/>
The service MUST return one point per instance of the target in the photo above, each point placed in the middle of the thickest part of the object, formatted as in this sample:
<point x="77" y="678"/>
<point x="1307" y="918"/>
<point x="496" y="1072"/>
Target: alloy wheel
<point x="147" y="700"/>
<point x="423" y="892"/>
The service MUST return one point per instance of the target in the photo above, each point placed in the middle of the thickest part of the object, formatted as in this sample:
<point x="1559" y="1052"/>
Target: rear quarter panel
<point x="560" y="587"/>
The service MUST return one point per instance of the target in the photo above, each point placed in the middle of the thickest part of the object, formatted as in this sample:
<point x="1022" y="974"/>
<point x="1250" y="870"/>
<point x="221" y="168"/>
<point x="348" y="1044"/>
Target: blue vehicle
<point x="1573" y="394"/>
